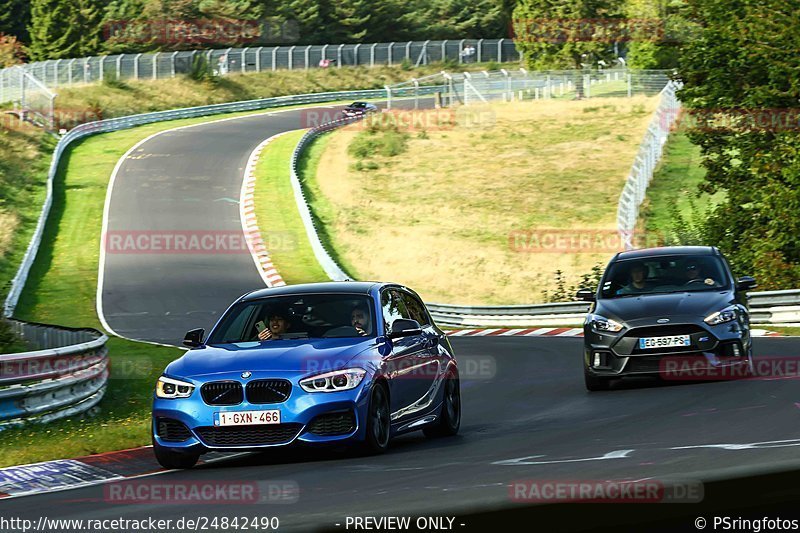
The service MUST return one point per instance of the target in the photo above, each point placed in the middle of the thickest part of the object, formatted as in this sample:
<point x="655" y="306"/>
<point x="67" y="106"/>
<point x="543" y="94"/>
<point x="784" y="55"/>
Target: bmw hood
<point x="279" y="356"/>
<point x="681" y="304"/>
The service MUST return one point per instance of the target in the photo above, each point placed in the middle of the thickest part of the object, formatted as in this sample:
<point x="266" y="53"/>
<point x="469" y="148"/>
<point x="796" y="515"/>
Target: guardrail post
<point x="355" y="54"/>
<point x="390" y="52"/>
<point x="307" y="55"/>
<point x="275" y="58"/>
<point x="291" y="57"/>
<point x="372" y="54"/>
<point x="155" y="65"/>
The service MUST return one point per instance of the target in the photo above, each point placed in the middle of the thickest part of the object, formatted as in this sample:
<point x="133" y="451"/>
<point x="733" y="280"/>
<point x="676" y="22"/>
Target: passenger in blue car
<point x="359" y="319"/>
<point x="278" y="325"/>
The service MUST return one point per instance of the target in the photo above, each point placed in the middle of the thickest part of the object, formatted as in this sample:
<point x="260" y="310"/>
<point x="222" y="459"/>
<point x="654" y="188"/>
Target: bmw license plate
<point x="247" y="418"/>
<point x="673" y="341"/>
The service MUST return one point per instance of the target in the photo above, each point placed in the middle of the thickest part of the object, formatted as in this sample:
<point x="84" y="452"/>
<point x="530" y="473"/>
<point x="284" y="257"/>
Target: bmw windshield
<point x="305" y="316"/>
<point x="663" y="275"/>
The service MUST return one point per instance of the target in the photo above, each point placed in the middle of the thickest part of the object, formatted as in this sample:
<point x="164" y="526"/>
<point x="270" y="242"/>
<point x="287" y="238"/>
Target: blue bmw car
<point x="342" y="362"/>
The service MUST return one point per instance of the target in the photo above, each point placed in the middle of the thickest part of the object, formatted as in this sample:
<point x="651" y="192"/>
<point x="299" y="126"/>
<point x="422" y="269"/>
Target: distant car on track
<point x="359" y="108"/>
<point x="347" y="362"/>
<point x="670" y="302"/>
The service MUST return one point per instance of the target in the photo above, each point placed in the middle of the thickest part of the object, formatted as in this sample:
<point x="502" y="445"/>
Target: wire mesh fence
<point x="159" y="65"/>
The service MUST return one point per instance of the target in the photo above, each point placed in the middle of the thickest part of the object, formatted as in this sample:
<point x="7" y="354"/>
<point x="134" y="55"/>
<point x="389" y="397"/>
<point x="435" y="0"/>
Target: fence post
<point x="372" y="54"/>
<point x="507" y="95"/>
<point x="408" y="51"/>
<point x="172" y="64"/>
<point x="275" y="58"/>
<point x="102" y="69"/>
<point x="258" y="58"/>
<point x="244" y="58"/>
<point x="424" y="53"/>
<point x="86" y="67"/>
<point x="444" y="50"/>
<point x="3" y="85"/>
<point x="390" y="51"/>
<point x="388" y="96"/>
<point x="339" y="56"/>
<point x="69" y="74"/>
<point x="325" y="51"/>
<point x="155" y="65"/>
<point x="480" y="50"/>
<point x="461" y="50"/>
<point x="355" y="54"/>
<point x="291" y="57"/>
<point x="416" y="93"/>
<point x="307" y="56"/>
<point x="119" y="65"/>
<point x="500" y="50"/>
<point x="58" y="64"/>
<point x="630" y="86"/>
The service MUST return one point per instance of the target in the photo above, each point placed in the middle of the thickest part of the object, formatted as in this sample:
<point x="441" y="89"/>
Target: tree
<point x="11" y="52"/>
<point x="55" y="29"/>
<point x="742" y="84"/>
<point x="567" y="34"/>
<point x="14" y="18"/>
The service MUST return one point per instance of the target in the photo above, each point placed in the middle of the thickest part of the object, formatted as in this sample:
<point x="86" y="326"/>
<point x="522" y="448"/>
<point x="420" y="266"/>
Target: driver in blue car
<point x="359" y="319"/>
<point x="277" y="326"/>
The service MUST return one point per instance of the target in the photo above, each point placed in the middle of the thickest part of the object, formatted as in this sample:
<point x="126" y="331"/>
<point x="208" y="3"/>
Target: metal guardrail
<point x="768" y="307"/>
<point x="64" y="376"/>
<point x="115" y="124"/>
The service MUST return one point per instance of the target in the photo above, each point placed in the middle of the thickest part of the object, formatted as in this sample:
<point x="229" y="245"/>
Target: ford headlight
<point x="601" y="323"/>
<point x="335" y="381"/>
<point x="169" y="388"/>
<point x="720" y="317"/>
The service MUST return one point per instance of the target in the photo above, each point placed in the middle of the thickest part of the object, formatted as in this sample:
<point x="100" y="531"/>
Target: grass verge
<point x="674" y="188"/>
<point x="277" y="215"/>
<point x="455" y="196"/>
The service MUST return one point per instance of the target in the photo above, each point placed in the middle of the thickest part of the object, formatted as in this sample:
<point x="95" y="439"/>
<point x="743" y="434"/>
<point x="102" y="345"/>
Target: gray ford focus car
<point x="663" y="311"/>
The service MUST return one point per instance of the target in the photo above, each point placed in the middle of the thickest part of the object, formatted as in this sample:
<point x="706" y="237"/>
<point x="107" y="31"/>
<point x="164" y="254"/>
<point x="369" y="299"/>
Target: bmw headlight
<point x="601" y="323"/>
<point x="335" y="381"/>
<point x="169" y="388"/>
<point x="720" y="317"/>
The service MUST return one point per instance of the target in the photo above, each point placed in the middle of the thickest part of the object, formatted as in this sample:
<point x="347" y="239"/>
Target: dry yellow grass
<point x="8" y="225"/>
<point x="439" y="217"/>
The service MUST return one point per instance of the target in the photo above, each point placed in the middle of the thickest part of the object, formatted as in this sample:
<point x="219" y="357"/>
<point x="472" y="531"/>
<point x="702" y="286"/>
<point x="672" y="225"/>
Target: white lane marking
<point x="745" y="446"/>
<point x="617" y="454"/>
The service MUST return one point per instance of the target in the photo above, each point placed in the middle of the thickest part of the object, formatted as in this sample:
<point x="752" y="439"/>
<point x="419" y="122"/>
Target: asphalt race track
<point x="530" y="418"/>
<point x="526" y="414"/>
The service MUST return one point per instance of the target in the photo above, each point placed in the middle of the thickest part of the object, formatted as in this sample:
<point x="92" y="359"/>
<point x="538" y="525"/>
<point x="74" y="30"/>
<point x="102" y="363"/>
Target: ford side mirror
<point x="403" y="327"/>
<point x="585" y="295"/>
<point x="746" y="283"/>
<point x="194" y="338"/>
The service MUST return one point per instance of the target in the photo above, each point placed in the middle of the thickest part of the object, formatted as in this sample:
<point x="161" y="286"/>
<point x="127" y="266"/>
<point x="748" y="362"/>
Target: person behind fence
<point x="360" y="319"/>
<point x="639" y="282"/>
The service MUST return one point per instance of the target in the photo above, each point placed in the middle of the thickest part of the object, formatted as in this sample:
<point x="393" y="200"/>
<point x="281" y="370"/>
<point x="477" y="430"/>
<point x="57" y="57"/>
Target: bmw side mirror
<point x="403" y="327"/>
<point x="746" y="283"/>
<point x="585" y="295"/>
<point x="194" y="338"/>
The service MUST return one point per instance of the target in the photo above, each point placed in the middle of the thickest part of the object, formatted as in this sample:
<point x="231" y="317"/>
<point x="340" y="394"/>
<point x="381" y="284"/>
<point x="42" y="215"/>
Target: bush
<point x="201" y="70"/>
<point x="110" y="80"/>
<point x="11" y="51"/>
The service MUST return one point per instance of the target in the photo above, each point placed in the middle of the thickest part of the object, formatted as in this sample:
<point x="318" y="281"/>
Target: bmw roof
<point x="332" y="287"/>
<point x="667" y="250"/>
